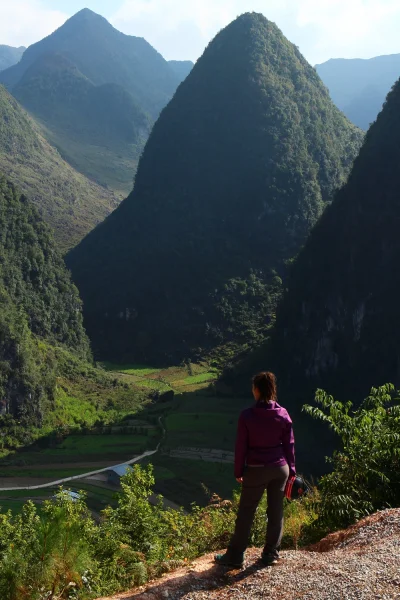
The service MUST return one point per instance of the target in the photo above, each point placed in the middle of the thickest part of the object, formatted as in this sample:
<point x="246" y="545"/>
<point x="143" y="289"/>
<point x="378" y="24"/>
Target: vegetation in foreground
<point x="62" y="553"/>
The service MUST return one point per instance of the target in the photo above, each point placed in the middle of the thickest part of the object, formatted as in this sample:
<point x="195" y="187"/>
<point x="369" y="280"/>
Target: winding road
<point x="85" y="475"/>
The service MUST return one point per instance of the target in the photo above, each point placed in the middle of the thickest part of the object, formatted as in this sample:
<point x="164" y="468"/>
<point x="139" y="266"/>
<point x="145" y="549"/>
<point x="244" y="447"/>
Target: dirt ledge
<point x="360" y="563"/>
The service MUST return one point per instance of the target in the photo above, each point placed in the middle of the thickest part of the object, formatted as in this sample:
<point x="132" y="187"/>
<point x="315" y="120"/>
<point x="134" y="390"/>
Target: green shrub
<point x="44" y="556"/>
<point x="366" y="475"/>
<point x="61" y="553"/>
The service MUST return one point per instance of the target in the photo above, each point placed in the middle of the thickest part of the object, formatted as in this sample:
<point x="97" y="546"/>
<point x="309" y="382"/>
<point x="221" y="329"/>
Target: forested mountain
<point x="237" y="169"/>
<point x="105" y="55"/>
<point x="96" y="92"/>
<point x="339" y="324"/>
<point x="39" y="306"/>
<point x="359" y="87"/>
<point x="181" y="67"/>
<point x="100" y="130"/>
<point x="9" y="56"/>
<point x="70" y="203"/>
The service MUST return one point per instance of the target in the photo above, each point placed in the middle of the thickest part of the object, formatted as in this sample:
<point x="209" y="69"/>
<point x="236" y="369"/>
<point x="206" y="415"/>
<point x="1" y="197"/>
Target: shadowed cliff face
<point x="339" y="322"/>
<point x="238" y="168"/>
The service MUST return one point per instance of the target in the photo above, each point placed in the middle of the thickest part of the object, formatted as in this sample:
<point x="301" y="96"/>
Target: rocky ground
<point x="360" y="563"/>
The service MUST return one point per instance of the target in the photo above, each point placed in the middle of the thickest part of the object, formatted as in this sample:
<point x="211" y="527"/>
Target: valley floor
<point x="193" y="457"/>
<point x="357" y="564"/>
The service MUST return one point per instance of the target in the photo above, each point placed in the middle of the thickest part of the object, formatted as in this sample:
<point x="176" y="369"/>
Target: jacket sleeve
<point x="241" y="447"/>
<point x="288" y="446"/>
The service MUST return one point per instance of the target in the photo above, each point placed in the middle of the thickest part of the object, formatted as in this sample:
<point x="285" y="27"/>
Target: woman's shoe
<point x="268" y="560"/>
<point x="224" y="560"/>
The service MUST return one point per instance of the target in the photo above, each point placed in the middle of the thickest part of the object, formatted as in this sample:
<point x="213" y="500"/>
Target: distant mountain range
<point x="9" y="56"/>
<point x="99" y="129"/>
<point x="96" y="94"/>
<point x="238" y="168"/>
<point x="359" y="87"/>
<point x="181" y="67"/>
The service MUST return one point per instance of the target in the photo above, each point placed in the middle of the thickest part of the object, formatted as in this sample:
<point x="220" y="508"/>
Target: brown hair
<point x="265" y="383"/>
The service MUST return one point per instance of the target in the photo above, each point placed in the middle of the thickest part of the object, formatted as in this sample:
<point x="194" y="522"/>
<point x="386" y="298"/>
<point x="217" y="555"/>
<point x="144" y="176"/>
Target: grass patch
<point x="202" y="378"/>
<point x="95" y="490"/>
<point x="15" y="506"/>
<point x="52" y="473"/>
<point x="27" y="494"/>
<point x="154" y="384"/>
<point x="203" y="430"/>
<point x="78" y="445"/>
<point x="137" y="370"/>
<point x="194" y="481"/>
<point x="161" y="473"/>
<point x="175" y="378"/>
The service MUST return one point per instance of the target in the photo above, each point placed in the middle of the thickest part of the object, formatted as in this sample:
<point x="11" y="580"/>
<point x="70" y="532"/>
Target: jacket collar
<point x="267" y="405"/>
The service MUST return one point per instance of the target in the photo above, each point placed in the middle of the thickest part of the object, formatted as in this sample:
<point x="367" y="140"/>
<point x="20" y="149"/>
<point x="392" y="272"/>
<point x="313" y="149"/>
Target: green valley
<point x="167" y="231"/>
<point x="102" y="418"/>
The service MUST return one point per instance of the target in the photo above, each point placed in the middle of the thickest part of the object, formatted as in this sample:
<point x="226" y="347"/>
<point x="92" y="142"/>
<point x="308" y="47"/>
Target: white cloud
<point x="162" y="22"/>
<point x="351" y="28"/>
<point x="321" y="28"/>
<point x="182" y="28"/>
<point x="23" y="22"/>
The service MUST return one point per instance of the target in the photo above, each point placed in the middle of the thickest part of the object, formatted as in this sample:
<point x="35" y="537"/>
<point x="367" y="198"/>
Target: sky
<point x="181" y="29"/>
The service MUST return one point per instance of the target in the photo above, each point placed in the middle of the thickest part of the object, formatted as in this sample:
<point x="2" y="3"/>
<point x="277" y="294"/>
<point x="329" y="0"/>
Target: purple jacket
<point x="264" y="437"/>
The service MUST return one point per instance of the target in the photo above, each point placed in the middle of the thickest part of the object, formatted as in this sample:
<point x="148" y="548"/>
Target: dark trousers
<point x="255" y="481"/>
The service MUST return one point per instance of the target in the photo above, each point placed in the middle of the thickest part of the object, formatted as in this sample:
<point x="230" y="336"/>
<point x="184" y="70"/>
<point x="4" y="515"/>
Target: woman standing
<point x="264" y="459"/>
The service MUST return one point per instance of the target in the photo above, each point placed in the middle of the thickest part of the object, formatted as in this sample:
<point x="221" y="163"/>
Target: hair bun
<point x="265" y="382"/>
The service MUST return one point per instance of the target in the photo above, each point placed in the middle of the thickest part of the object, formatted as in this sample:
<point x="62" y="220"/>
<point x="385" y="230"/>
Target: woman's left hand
<point x="239" y="480"/>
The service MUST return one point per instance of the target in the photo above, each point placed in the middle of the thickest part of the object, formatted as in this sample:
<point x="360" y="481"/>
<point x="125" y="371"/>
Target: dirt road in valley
<point x="20" y="483"/>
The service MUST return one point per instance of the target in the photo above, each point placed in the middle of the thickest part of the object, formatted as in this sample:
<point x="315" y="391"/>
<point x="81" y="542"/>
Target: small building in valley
<point x="114" y="474"/>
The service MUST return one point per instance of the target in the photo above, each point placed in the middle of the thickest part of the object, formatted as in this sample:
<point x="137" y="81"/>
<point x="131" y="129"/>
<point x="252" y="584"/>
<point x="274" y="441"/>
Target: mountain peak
<point x="218" y="178"/>
<point x="86" y="16"/>
<point x="87" y="13"/>
<point x="253" y="18"/>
